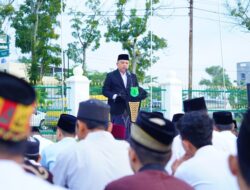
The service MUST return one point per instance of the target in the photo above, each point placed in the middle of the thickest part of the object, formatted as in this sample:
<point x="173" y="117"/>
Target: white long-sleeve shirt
<point x="92" y="163"/>
<point x="218" y="141"/>
<point x="207" y="170"/>
<point x="50" y="153"/>
<point x="13" y="177"/>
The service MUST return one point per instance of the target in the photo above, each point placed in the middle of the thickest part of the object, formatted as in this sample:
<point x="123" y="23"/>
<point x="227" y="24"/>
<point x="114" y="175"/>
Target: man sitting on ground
<point x="203" y="166"/>
<point x="96" y="156"/>
<point x="65" y="135"/>
<point x="32" y="158"/>
<point x="150" y="150"/>
<point x="17" y="101"/>
<point x="224" y="123"/>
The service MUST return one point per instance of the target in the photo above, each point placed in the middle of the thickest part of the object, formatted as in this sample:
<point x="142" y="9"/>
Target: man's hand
<point x="178" y="162"/>
<point x="118" y="98"/>
<point x="122" y="95"/>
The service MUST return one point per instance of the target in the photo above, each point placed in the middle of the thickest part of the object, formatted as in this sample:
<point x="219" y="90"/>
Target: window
<point x="243" y="76"/>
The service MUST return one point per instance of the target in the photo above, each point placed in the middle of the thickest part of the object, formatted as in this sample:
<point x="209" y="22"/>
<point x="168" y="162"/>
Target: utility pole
<point x="190" y="67"/>
<point x="62" y="56"/>
<point x="63" y="68"/>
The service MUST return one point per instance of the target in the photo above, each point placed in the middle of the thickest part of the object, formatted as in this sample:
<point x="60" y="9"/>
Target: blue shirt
<point x="50" y="153"/>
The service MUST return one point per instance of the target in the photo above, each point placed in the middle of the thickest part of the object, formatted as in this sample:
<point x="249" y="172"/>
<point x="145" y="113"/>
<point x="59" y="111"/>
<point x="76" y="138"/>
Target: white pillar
<point x="78" y="90"/>
<point x="173" y="95"/>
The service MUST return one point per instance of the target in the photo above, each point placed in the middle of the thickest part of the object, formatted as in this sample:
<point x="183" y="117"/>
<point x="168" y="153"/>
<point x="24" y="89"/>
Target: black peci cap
<point x="67" y="123"/>
<point x="195" y="104"/>
<point x="223" y="118"/>
<point x="123" y="57"/>
<point x="16" y="89"/>
<point x="177" y="117"/>
<point x="153" y="131"/>
<point x="32" y="147"/>
<point x="94" y="110"/>
<point x="17" y="101"/>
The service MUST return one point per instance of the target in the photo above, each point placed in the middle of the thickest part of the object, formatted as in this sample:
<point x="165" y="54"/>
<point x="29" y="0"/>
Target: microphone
<point x="130" y="76"/>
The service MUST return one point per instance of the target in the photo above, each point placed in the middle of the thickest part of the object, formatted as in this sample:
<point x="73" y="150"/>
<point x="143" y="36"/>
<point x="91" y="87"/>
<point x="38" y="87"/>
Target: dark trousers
<point x="123" y="120"/>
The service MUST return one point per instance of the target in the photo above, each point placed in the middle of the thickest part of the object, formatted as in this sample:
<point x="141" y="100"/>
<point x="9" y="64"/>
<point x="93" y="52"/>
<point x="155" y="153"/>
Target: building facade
<point x="243" y="73"/>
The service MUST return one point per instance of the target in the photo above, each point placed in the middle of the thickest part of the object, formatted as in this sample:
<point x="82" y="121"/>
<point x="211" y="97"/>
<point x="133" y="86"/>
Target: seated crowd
<point x="193" y="151"/>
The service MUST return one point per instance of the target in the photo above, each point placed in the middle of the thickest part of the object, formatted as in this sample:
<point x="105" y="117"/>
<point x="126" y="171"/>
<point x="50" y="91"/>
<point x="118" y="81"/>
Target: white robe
<point x="177" y="152"/>
<point x="92" y="163"/>
<point x="50" y="153"/>
<point x="218" y="141"/>
<point x="207" y="170"/>
<point x="230" y="140"/>
<point x="43" y="142"/>
<point x="13" y="177"/>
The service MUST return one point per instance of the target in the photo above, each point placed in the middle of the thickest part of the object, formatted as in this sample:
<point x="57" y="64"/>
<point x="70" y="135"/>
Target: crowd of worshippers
<point x="193" y="151"/>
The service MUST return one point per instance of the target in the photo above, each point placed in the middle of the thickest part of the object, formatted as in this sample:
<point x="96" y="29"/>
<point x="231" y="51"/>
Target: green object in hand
<point x="134" y="91"/>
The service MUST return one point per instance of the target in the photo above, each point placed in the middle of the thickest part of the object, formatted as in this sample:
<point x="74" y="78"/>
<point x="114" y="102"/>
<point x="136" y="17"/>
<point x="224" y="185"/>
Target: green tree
<point x="96" y="77"/>
<point x="35" y="23"/>
<point x="131" y="31"/>
<point x="96" y="84"/>
<point x="216" y="81"/>
<point x="6" y="11"/>
<point x="236" y="96"/>
<point x="239" y="9"/>
<point x="86" y="32"/>
<point x="216" y="78"/>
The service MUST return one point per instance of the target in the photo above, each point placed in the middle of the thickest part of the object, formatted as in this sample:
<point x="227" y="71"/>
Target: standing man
<point x="65" y="136"/>
<point x="116" y="88"/>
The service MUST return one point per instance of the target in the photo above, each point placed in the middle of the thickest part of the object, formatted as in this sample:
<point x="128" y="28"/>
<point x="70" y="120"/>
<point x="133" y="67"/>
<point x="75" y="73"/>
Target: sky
<point x="214" y="43"/>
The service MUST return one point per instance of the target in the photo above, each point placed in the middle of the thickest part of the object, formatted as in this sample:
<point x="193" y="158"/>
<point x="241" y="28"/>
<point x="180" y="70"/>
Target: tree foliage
<point x="236" y="96"/>
<point x="97" y="79"/>
<point x="216" y="81"/>
<point x="6" y="11"/>
<point x="35" y="23"/>
<point x="216" y="77"/>
<point x="239" y="9"/>
<point x="131" y="31"/>
<point x="86" y="32"/>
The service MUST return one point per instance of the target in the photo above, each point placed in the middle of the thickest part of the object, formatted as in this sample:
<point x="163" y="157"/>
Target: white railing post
<point x="78" y="90"/>
<point x="172" y="99"/>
